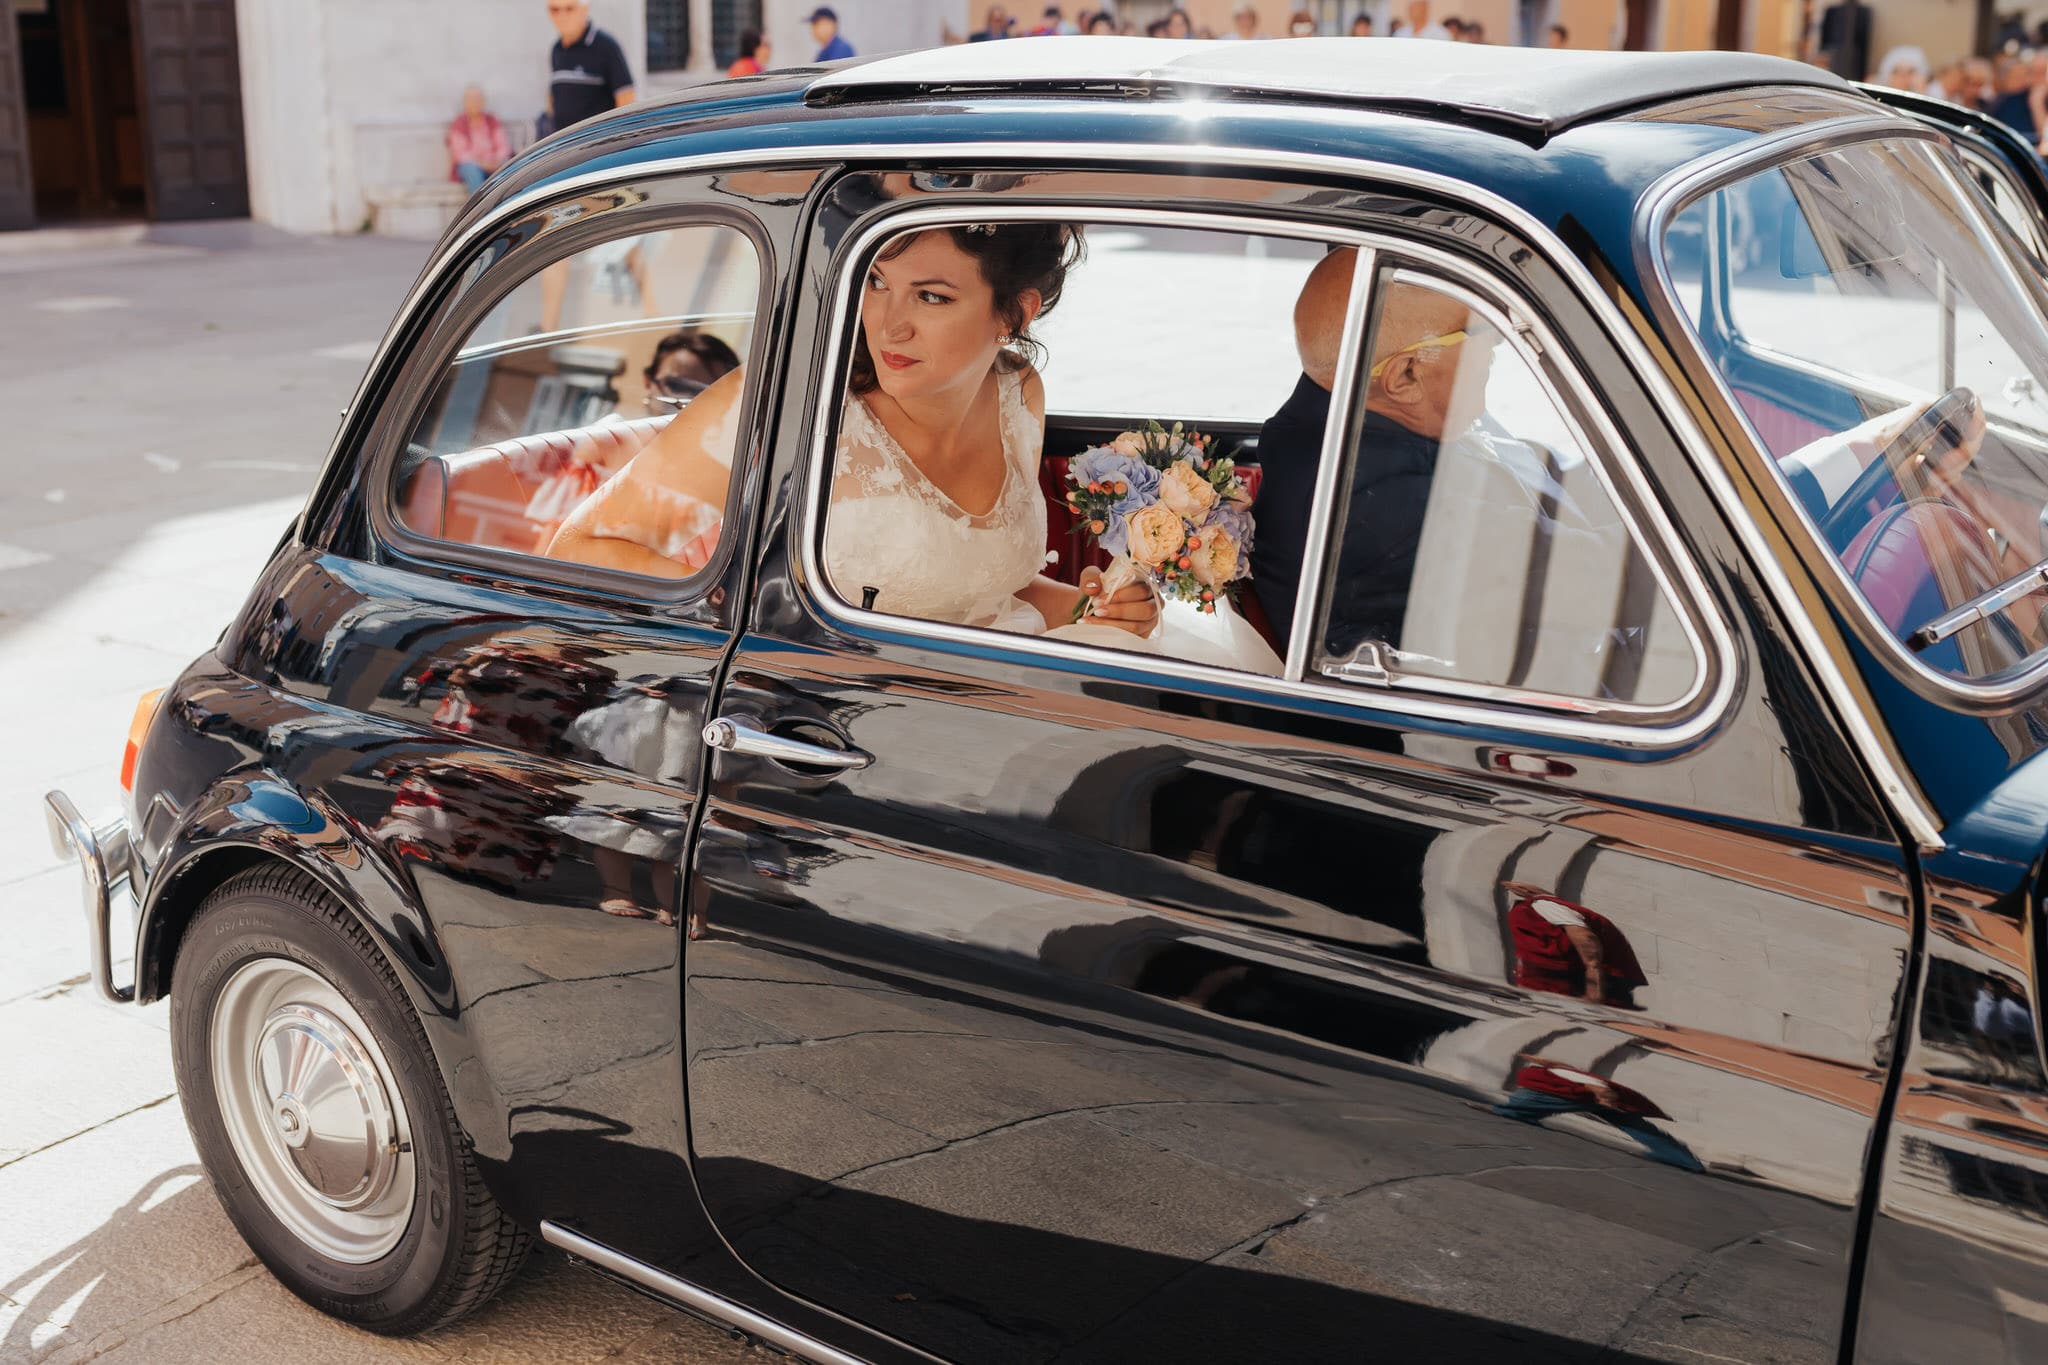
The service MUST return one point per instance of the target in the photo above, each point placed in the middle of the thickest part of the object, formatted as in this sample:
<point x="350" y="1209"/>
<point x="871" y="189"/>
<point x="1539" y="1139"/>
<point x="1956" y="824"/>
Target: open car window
<point x="570" y="375"/>
<point x="1477" y="540"/>
<point x="981" y="463"/>
<point x="1878" y="330"/>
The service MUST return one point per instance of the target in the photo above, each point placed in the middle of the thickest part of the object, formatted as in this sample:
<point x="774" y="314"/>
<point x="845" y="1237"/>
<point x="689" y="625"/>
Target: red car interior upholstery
<point x="1893" y="560"/>
<point x="1783" y="430"/>
<point x="480" y="497"/>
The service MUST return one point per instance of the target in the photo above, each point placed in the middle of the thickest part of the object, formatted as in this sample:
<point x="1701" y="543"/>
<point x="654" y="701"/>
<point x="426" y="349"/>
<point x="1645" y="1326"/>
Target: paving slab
<point x="69" y="1063"/>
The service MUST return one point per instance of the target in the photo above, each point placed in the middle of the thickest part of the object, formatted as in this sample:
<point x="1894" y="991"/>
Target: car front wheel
<point x="320" y="1113"/>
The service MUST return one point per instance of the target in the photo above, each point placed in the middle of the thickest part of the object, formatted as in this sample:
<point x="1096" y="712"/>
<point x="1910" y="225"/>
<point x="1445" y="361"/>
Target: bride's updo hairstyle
<point x="1015" y="258"/>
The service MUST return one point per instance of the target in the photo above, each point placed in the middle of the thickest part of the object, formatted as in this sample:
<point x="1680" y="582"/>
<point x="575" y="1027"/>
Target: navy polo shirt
<point x="1378" y="537"/>
<point x="588" y="75"/>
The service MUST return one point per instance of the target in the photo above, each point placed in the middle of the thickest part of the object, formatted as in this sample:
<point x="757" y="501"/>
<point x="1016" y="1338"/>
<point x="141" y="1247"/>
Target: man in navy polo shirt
<point x="589" y="68"/>
<point x="832" y="44"/>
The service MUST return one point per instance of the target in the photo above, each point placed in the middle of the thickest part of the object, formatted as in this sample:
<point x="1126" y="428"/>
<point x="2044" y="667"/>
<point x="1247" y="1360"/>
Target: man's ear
<point x="1402" y="379"/>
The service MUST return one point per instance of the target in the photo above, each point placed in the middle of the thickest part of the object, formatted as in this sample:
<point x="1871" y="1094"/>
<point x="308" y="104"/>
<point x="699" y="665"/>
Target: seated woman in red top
<point x="476" y="142"/>
<point x="756" y="52"/>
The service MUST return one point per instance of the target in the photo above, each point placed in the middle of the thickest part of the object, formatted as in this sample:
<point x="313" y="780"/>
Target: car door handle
<point x="730" y="736"/>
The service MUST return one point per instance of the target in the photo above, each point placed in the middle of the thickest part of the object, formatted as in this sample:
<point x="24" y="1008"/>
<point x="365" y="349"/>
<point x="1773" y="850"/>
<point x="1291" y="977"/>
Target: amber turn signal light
<point x="137" y="728"/>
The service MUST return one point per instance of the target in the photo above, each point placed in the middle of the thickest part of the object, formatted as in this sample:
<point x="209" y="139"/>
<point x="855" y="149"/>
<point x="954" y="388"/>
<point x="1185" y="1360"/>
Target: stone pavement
<point x="169" y="398"/>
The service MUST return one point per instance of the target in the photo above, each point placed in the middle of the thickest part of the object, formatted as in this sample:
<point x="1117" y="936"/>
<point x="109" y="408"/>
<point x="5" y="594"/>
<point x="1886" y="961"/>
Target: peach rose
<point x="1186" y="492"/>
<point x="1155" y="534"/>
<point x="1130" y="445"/>
<point x="1215" y="559"/>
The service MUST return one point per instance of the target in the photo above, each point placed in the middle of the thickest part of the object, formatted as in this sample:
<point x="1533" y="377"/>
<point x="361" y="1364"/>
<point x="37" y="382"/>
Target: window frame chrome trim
<point x="1627" y="725"/>
<point x="1680" y="190"/>
<point x="1898" y="787"/>
<point x="1337" y="434"/>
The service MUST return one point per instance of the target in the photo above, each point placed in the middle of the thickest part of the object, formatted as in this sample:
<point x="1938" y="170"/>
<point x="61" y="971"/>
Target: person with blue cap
<point x="824" y="24"/>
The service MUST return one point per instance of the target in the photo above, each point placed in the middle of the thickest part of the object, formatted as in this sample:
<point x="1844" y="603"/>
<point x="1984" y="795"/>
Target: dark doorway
<point x="78" y="90"/>
<point x="1728" y="26"/>
<point x="1639" y="18"/>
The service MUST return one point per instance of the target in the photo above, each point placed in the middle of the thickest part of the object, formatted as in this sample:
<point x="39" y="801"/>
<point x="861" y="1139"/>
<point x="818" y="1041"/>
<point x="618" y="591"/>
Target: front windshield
<point x="1870" y="320"/>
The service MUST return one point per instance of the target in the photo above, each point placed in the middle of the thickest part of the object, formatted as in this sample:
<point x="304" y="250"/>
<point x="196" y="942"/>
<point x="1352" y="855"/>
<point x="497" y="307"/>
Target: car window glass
<point x="570" y="376"/>
<point x="2013" y="207"/>
<point x="1884" y="343"/>
<point x="1475" y="539"/>
<point x="1220" y="362"/>
<point x="1147" y="421"/>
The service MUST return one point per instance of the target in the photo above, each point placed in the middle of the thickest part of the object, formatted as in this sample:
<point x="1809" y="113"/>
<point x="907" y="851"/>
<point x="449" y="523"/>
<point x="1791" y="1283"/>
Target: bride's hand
<point x="1133" y="607"/>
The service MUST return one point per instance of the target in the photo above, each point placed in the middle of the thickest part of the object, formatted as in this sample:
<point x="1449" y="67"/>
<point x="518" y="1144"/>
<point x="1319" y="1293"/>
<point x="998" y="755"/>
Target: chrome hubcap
<point x="311" y="1110"/>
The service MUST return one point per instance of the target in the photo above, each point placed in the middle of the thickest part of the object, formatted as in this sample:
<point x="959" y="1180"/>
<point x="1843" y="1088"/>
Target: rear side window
<point x="1476" y="540"/>
<point x="571" y="375"/>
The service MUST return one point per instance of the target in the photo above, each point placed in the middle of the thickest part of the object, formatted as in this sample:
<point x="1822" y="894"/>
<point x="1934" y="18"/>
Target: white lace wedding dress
<point x="895" y="542"/>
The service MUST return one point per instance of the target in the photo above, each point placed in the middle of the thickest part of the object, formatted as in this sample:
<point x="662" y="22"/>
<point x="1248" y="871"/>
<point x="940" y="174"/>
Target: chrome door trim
<point x="1671" y="196"/>
<point x="1626" y="724"/>
<point x="696" y="1298"/>
<point x="1336" y="435"/>
<point x="1895" y="782"/>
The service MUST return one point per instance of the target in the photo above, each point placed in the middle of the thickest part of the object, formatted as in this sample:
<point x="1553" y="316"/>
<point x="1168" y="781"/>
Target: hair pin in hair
<point x="982" y="229"/>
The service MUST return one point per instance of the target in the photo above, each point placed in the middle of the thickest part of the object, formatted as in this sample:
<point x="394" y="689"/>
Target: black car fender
<point x="252" y="815"/>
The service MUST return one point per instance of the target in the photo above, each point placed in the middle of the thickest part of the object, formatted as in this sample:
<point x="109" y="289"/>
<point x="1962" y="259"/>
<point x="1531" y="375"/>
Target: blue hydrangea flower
<point x="1103" y="465"/>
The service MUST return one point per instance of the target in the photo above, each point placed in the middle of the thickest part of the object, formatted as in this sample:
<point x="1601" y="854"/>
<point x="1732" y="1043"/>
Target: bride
<point x="936" y="511"/>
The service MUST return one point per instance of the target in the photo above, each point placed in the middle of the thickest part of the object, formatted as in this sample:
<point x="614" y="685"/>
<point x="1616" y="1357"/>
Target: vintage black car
<point x="1629" y="949"/>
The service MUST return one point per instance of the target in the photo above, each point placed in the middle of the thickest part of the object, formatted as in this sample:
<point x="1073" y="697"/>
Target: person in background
<point x="2012" y="103"/>
<point x="1102" y="22"/>
<point x="756" y="52"/>
<point x="1975" y="83"/>
<point x="1471" y="31"/>
<point x="476" y="141"/>
<point x="587" y="67"/>
<point x="1418" y="24"/>
<point x="1054" y="24"/>
<point x="1361" y="26"/>
<point x="995" y="25"/>
<point x="1244" y="24"/>
<point x="1844" y="45"/>
<point x="1904" y="68"/>
<point x="1178" y="25"/>
<point x="832" y="45"/>
<point x="1455" y="27"/>
<point x="1559" y="36"/>
<point x="1301" y="25"/>
<point x="685" y="363"/>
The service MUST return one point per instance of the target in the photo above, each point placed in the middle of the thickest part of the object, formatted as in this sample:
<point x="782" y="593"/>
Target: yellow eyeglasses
<point x="1477" y="331"/>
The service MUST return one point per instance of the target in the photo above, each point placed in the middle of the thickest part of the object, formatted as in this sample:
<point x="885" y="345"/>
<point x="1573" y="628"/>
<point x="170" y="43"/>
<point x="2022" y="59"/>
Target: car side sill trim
<point x="696" y="1298"/>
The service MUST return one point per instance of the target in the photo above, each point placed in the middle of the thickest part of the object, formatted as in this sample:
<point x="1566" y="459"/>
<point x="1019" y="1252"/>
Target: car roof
<point x="1536" y="89"/>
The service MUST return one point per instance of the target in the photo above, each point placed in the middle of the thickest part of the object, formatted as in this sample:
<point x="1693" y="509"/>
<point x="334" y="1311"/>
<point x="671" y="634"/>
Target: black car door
<point x="1058" y="1003"/>
<point x="519" y="735"/>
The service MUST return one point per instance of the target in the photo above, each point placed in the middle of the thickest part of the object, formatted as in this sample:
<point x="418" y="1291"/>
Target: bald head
<point x="1416" y="353"/>
<point x="1319" y="315"/>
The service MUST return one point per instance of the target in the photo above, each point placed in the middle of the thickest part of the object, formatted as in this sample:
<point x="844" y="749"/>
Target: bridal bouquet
<point x="1169" y="509"/>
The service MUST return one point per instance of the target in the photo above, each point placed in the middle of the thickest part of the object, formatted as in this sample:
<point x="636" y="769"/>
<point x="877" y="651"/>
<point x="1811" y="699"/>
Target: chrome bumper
<point x="106" y="860"/>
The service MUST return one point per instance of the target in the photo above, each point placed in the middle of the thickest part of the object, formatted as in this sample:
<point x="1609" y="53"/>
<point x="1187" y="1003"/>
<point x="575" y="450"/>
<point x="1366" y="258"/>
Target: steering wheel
<point x="1950" y="426"/>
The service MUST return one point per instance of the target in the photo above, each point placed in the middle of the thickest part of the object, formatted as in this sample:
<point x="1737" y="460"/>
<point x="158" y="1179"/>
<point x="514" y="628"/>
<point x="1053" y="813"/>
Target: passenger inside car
<point x="944" y="414"/>
<point x="1414" y="379"/>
